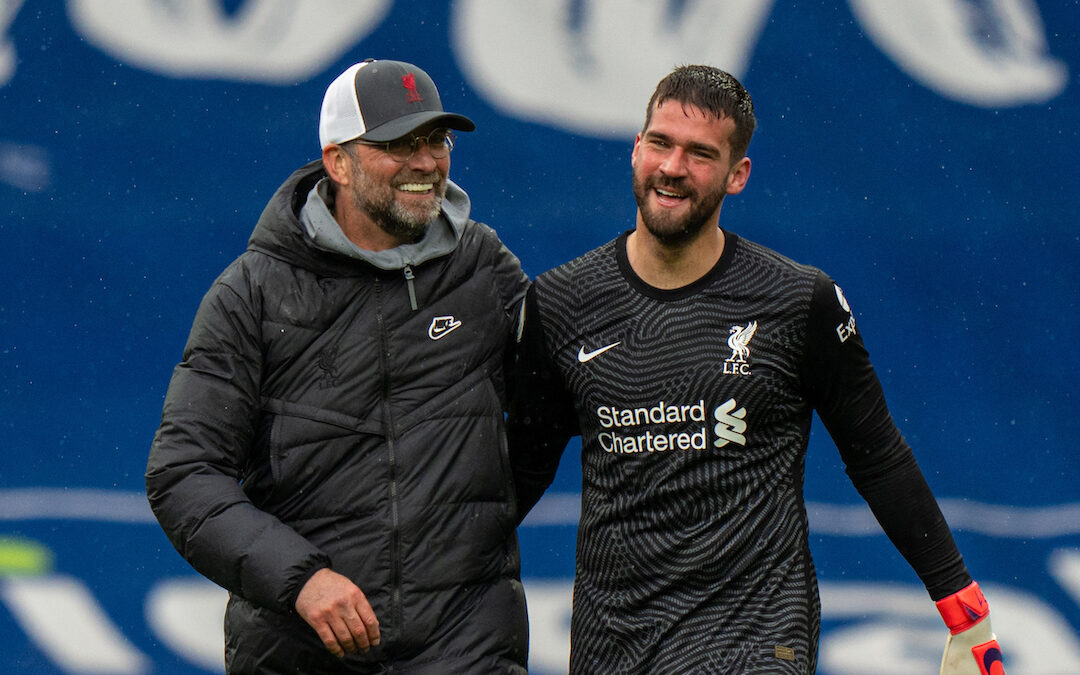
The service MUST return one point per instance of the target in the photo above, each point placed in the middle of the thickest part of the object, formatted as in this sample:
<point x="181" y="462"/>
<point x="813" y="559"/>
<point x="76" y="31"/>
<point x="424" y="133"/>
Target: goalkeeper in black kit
<point x="690" y="361"/>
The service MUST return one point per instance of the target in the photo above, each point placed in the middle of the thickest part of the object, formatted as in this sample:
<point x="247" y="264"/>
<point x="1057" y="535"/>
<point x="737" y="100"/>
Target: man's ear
<point x="737" y="177"/>
<point x="337" y="163"/>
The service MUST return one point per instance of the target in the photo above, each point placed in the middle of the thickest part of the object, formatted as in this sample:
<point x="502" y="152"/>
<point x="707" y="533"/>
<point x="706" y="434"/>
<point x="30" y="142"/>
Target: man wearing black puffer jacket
<point x="332" y="448"/>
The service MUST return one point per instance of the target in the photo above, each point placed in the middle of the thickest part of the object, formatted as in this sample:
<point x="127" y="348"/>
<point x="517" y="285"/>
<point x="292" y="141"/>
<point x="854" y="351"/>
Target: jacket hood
<point x="298" y="227"/>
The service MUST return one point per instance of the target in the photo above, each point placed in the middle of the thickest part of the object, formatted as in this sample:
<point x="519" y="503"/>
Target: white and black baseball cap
<point x="379" y="100"/>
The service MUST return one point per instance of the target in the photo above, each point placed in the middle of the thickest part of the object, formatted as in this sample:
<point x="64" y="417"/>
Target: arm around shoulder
<point x="542" y="419"/>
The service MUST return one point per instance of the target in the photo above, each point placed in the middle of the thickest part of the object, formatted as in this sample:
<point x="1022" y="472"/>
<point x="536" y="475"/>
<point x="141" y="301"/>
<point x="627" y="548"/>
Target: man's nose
<point x="674" y="163"/>
<point x="421" y="157"/>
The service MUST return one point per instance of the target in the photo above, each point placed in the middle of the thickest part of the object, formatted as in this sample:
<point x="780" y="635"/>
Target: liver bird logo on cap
<point x="409" y="82"/>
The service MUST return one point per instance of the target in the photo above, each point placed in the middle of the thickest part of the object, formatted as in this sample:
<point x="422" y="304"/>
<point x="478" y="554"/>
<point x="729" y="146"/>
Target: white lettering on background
<point x="273" y="41"/>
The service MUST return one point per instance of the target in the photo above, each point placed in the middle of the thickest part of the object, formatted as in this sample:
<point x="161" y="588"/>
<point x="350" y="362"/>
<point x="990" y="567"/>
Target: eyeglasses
<point x="439" y="143"/>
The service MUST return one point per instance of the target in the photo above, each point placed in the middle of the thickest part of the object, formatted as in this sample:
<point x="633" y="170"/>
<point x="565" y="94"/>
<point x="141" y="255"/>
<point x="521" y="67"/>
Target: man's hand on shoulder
<point x="339" y="612"/>
<point x="971" y="648"/>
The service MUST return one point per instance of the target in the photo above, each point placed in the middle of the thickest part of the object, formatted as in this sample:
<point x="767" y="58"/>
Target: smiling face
<point x="402" y="203"/>
<point x="400" y="197"/>
<point x="682" y="169"/>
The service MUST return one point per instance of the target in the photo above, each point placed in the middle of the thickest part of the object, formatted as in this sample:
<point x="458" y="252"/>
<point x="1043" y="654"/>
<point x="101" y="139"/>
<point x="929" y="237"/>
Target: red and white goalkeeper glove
<point x="971" y="648"/>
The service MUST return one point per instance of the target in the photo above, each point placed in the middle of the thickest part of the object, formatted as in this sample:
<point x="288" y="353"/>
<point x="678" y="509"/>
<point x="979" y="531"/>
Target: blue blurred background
<point x="923" y="153"/>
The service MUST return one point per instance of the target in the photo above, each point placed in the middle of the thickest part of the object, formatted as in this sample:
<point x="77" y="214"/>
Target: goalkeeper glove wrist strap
<point x="964" y="608"/>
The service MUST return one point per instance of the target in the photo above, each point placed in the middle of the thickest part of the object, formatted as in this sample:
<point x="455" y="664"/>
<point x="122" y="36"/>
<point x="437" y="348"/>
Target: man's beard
<point x="668" y="229"/>
<point x="404" y="223"/>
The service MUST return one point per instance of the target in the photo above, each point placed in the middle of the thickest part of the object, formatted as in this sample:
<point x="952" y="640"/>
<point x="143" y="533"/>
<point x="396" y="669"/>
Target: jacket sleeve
<point x="510" y="283"/>
<point x="200" y="451"/>
<point x="848" y="396"/>
<point x="542" y="419"/>
<point x="509" y="277"/>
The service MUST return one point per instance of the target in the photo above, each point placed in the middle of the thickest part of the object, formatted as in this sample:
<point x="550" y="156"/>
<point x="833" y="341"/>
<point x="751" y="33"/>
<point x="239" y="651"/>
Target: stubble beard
<point x="668" y="229"/>
<point x="404" y="223"/>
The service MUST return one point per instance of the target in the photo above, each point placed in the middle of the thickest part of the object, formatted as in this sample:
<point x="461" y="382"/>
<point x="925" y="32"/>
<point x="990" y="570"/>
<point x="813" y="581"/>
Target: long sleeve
<point x="200" y="453"/>
<point x="541" y="419"/>
<point x="848" y="396"/>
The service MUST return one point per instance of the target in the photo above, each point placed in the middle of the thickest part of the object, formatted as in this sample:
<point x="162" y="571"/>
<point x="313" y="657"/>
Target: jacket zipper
<point x="391" y="438"/>
<point x="409" y="276"/>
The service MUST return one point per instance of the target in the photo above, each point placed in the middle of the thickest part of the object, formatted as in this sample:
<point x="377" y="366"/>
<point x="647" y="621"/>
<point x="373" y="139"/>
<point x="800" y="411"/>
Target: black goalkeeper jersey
<point x="694" y="406"/>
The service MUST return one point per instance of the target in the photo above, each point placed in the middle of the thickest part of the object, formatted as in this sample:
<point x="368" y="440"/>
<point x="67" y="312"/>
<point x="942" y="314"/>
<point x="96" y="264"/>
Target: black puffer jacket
<point x="318" y="419"/>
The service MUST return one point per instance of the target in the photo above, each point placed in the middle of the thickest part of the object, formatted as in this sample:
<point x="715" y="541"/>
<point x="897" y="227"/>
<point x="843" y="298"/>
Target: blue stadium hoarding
<point x="922" y="153"/>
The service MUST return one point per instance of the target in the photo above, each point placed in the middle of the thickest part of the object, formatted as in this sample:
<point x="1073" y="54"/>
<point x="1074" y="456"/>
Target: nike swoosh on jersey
<point x="583" y="356"/>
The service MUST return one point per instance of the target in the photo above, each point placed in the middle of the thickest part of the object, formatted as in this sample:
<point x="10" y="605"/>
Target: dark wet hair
<point x="713" y="90"/>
